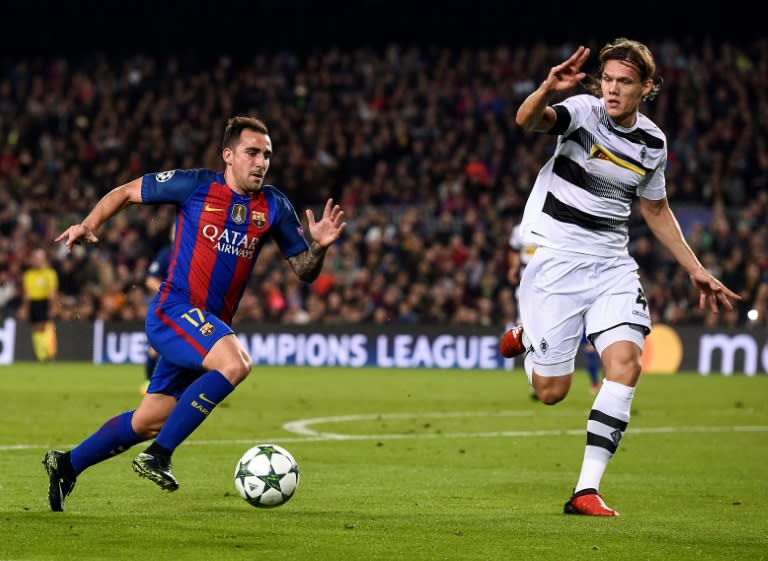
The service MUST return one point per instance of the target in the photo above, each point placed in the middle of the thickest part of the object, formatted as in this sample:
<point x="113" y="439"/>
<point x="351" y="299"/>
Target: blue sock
<point x="593" y="366"/>
<point x="193" y="407"/>
<point x="113" y="438"/>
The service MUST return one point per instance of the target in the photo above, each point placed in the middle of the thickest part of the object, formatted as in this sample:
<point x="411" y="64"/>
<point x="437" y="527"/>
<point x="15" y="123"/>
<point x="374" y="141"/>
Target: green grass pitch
<point x="395" y="465"/>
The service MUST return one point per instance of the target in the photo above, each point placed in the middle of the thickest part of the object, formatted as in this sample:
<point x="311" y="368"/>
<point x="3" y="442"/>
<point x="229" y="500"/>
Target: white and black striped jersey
<point x="582" y="197"/>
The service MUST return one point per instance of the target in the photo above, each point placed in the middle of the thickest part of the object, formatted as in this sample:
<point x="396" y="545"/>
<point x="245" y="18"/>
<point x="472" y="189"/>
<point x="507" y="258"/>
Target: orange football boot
<point x="511" y="344"/>
<point x="588" y="502"/>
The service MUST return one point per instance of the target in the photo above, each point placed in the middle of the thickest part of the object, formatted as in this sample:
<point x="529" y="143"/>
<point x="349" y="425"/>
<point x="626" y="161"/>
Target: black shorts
<point x="39" y="311"/>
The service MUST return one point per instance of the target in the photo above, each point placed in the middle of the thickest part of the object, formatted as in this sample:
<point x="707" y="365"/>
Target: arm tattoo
<point x="308" y="263"/>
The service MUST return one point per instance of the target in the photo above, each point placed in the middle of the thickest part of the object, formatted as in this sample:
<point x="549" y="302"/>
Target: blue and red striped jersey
<point x="219" y="235"/>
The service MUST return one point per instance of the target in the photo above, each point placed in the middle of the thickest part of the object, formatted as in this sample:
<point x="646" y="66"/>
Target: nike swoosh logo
<point x="202" y="396"/>
<point x="209" y="208"/>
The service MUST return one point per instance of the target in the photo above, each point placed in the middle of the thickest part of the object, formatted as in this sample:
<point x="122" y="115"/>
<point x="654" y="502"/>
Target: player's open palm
<point x="712" y="292"/>
<point x="329" y="228"/>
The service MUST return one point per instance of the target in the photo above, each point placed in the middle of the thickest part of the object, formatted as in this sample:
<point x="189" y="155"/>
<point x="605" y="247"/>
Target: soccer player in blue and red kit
<point x="223" y="221"/>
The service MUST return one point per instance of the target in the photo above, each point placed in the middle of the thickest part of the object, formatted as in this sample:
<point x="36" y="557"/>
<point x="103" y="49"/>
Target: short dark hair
<point x="235" y="127"/>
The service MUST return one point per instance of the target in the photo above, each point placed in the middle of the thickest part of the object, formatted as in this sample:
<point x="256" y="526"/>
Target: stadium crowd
<point x="419" y="146"/>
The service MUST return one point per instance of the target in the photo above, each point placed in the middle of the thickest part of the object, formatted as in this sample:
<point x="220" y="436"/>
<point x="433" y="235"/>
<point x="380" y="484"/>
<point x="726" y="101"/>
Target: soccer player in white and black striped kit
<point x="582" y="276"/>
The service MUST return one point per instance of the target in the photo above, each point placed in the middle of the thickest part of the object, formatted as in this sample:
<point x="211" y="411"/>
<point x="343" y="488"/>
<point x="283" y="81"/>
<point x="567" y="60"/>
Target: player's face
<point x="248" y="162"/>
<point x="622" y="91"/>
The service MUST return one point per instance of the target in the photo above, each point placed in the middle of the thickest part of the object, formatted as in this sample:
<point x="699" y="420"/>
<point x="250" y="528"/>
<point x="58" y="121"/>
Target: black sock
<point x="65" y="465"/>
<point x="156" y="450"/>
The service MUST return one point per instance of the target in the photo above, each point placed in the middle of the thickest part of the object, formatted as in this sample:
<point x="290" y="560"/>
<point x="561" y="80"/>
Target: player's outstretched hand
<point x="329" y="228"/>
<point x="568" y="74"/>
<point x="75" y="234"/>
<point x="712" y="291"/>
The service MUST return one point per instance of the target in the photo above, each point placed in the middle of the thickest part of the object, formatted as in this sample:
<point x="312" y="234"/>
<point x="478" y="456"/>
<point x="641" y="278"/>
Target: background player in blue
<point x="156" y="273"/>
<point x="592" y="363"/>
<point x="223" y="221"/>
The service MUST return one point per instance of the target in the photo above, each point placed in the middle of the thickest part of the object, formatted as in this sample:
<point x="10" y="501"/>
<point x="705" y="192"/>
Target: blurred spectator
<point x="40" y="285"/>
<point x="9" y="292"/>
<point x="419" y="146"/>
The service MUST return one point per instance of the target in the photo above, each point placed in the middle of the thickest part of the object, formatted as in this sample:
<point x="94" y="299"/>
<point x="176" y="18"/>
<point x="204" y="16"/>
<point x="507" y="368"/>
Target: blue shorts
<point x="182" y="335"/>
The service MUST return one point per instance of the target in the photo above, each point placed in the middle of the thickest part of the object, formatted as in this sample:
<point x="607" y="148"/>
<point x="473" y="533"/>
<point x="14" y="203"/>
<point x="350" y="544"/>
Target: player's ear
<point x="228" y="156"/>
<point x="647" y="88"/>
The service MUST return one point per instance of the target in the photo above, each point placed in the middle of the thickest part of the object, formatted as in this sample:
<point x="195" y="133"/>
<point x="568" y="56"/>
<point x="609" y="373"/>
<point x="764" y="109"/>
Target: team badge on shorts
<point x="544" y="346"/>
<point x="238" y="214"/>
<point x="207" y="329"/>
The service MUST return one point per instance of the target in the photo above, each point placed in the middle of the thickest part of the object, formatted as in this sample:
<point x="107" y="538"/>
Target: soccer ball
<point x="266" y="476"/>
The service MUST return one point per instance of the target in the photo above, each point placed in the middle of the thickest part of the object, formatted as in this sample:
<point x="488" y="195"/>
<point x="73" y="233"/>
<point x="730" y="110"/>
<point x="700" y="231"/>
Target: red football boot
<point x="588" y="502"/>
<point x="511" y="344"/>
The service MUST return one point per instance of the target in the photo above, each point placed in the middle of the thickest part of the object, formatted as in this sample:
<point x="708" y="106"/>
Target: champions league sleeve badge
<point x="163" y="176"/>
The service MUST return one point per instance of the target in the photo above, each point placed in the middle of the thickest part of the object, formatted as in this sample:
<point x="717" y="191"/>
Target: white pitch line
<point x="326" y="437"/>
<point x="301" y="426"/>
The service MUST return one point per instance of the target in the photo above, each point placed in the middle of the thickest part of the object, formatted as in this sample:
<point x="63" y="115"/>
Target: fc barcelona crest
<point x="259" y="218"/>
<point x="239" y="213"/>
<point x="207" y="329"/>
